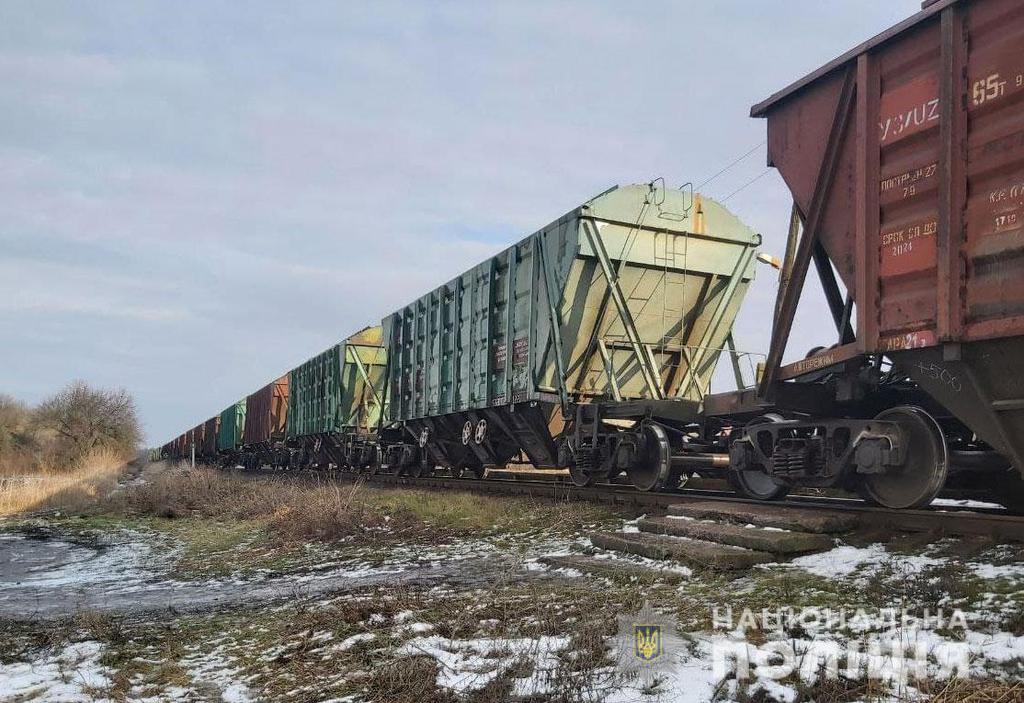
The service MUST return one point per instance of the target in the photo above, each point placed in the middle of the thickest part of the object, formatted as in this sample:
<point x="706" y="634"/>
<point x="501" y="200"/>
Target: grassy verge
<point x="75" y="489"/>
<point x="220" y="523"/>
<point x="299" y="511"/>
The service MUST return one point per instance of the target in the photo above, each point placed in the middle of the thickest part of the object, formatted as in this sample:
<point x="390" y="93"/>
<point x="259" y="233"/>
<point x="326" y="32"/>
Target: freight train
<point x="591" y="343"/>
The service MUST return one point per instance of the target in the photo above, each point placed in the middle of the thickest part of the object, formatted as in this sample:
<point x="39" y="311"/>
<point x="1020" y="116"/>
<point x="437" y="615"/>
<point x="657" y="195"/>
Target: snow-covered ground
<point x="507" y="645"/>
<point x="72" y="674"/>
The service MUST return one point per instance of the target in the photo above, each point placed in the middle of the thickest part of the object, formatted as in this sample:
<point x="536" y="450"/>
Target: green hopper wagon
<point x="335" y="402"/>
<point x="588" y="344"/>
<point x="232" y="426"/>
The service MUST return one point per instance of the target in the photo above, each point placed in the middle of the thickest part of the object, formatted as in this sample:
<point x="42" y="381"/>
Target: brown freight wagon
<point x="198" y="437"/>
<point x="181" y="446"/>
<point x="905" y="158"/>
<point x="207" y="449"/>
<point x="266" y="415"/>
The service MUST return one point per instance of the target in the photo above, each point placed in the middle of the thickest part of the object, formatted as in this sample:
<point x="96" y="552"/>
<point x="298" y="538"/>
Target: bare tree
<point x="87" y="418"/>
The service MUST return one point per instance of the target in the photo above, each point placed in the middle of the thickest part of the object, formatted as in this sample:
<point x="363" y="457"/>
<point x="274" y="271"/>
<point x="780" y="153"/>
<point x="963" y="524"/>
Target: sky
<point x="198" y="196"/>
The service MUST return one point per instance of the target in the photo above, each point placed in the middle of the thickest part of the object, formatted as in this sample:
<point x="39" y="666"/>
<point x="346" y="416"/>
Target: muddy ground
<point x="450" y="599"/>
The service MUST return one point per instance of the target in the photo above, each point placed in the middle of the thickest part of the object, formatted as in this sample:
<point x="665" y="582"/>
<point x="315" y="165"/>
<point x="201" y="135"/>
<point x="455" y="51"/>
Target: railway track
<point x="951" y="520"/>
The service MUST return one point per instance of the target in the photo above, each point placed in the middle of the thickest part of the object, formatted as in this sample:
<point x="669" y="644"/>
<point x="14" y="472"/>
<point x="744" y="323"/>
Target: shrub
<point x="83" y="419"/>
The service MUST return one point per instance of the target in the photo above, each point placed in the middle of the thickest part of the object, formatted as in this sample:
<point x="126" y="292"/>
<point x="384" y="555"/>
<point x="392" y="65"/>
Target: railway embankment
<point x="206" y="585"/>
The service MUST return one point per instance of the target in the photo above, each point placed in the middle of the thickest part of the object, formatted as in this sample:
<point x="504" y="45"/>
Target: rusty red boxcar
<point x="266" y="412"/>
<point x="905" y="158"/>
<point x="208" y="448"/>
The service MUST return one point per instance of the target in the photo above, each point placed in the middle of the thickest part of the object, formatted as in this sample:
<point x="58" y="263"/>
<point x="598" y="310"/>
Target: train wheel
<point x="458" y="471"/>
<point x="652" y="470"/>
<point x="757" y="484"/>
<point x="925" y="466"/>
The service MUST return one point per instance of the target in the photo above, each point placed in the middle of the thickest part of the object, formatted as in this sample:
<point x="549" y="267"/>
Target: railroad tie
<point x="796" y="519"/>
<point x="773" y="541"/>
<point x="688" y="551"/>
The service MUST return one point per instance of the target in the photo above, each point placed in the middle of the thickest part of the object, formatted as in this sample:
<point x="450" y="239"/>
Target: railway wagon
<point x="588" y="344"/>
<point x="266" y="412"/>
<point x="905" y="159"/>
<point x="180" y="444"/>
<point x="335" y="404"/>
<point x="230" y="430"/>
<point x="208" y="447"/>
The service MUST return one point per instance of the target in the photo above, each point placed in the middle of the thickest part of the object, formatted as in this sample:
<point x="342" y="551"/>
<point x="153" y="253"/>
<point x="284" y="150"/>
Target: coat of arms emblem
<point x="647" y="644"/>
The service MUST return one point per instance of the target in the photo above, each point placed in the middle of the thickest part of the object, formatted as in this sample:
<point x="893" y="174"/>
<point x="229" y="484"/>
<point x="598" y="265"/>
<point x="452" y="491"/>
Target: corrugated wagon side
<point x="335" y="402"/>
<point x="211" y="429"/>
<point x="617" y="311"/>
<point x="231" y="429"/>
<point x="266" y="413"/>
<point x="905" y="158"/>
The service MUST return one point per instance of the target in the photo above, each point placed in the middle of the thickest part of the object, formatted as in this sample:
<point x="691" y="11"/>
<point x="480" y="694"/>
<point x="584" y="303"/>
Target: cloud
<point x="196" y="198"/>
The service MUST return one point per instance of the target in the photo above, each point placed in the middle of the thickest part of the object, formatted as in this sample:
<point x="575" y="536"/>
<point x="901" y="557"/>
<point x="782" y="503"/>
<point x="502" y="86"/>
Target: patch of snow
<point x="994" y="571"/>
<point x="351" y="641"/>
<point x="469" y="665"/>
<point x="216" y="668"/>
<point x="655" y="564"/>
<point x="353" y="571"/>
<point x="404" y="616"/>
<point x="569" y="572"/>
<point x="688" y="678"/>
<point x="957" y="503"/>
<point x="844" y="560"/>
<point x="69" y="676"/>
<point x="630" y="526"/>
<point x="777" y="691"/>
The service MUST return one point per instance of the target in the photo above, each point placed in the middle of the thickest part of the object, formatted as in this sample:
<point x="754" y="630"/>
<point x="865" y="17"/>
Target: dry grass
<point x="294" y="510"/>
<point x="298" y="510"/>
<point x="973" y="691"/>
<point x="956" y="690"/>
<point x="49" y="488"/>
